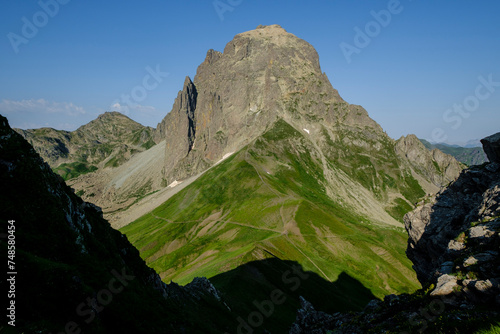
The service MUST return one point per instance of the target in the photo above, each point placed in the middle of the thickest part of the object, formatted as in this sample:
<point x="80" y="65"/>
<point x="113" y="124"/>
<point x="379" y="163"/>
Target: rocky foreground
<point x="454" y="245"/>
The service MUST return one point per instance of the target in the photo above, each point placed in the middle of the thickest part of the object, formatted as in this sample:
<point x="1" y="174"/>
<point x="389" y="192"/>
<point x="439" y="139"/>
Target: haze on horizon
<point x="417" y="68"/>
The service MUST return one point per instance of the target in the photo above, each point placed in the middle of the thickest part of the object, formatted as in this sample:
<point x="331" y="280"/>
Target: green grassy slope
<point x="270" y="198"/>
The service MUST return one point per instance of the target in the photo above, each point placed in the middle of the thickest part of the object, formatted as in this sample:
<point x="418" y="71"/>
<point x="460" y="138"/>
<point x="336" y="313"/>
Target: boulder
<point x="491" y="146"/>
<point x="446" y="284"/>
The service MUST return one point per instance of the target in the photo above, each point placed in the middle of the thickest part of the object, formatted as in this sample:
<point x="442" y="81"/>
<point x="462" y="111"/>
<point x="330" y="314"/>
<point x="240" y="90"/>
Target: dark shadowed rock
<point x="491" y="146"/>
<point x="456" y="234"/>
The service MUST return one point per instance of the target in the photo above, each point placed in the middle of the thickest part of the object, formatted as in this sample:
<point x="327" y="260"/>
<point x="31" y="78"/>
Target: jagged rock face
<point x="491" y="146"/>
<point x="311" y="321"/>
<point x="436" y="166"/>
<point x="454" y="240"/>
<point x="262" y="75"/>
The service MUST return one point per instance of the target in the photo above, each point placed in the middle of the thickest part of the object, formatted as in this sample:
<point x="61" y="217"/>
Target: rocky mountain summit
<point x="454" y="241"/>
<point x="262" y="75"/>
<point x="260" y="168"/>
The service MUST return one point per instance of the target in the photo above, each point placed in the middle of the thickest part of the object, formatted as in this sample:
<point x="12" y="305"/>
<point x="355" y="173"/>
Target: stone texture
<point x="310" y="321"/>
<point x="436" y="166"/>
<point x="460" y="226"/>
<point x="262" y="75"/>
<point x="446" y="285"/>
<point x="178" y="129"/>
<point x="491" y="146"/>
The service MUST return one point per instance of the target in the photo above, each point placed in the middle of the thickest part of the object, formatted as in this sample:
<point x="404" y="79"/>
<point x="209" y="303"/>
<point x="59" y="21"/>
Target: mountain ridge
<point x="467" y="155"/>
<point x="107" y="141"/>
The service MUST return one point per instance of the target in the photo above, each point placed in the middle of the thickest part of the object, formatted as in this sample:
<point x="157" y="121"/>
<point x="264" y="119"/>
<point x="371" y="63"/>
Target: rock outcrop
<point x="439" y="168"/>
<point x="454" y="239"/>
<point x="491" y="146"/>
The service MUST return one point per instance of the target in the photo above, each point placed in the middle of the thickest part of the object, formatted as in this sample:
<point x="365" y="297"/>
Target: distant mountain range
<point x="470" y="156"/>
<point x="107" y="141"/>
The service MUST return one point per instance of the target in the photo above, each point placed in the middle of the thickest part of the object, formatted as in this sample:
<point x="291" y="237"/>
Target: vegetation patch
<point x="74" y="169"/>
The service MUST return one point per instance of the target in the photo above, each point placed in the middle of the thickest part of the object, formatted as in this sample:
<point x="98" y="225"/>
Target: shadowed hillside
<point x="272" y="287"/>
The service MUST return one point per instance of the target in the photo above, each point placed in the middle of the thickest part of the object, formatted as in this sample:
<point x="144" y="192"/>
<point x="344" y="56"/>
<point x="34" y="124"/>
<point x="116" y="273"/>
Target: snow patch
<point x="173" y="184"/>
<point x="306" y="131"/>
<point x="227" y="155"/>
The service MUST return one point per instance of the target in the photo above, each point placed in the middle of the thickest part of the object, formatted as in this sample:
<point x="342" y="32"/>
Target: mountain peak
<point x="266" y="31"/>
<point x="110" y="114"/>
<point x="271" y="26"/>
<point x="263" y="75"/>
<point x="273" y="43"/>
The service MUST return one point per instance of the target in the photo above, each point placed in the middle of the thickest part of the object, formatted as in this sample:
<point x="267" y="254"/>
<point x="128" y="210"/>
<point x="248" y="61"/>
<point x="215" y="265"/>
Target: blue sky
<point x="431" y="68"/>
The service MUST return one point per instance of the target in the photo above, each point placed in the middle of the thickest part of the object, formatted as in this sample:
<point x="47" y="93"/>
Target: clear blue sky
<point x="86" y="54"/>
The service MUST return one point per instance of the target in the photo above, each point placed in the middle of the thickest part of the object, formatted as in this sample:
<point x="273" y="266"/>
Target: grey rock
<point x="491" y="146"/>
<point x="456" y="245"/>
<point x="391" y="299"/>
<point x="460" y="225"/>
<point x="479" y="232"/>
<point x="446" y="285"/>
<point x="484" y="287"/>
<point x="446" y="268"/>
<point x="238" y="93"/>
<point x="372" y="305"/>
<point x="493" y="167"/>
<point x="200" y="287"/>
<point x="486" y="256"/>
<point x="470" y="261"/>
<point x="310" y="321"/>
<point x="440" y="168"/>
